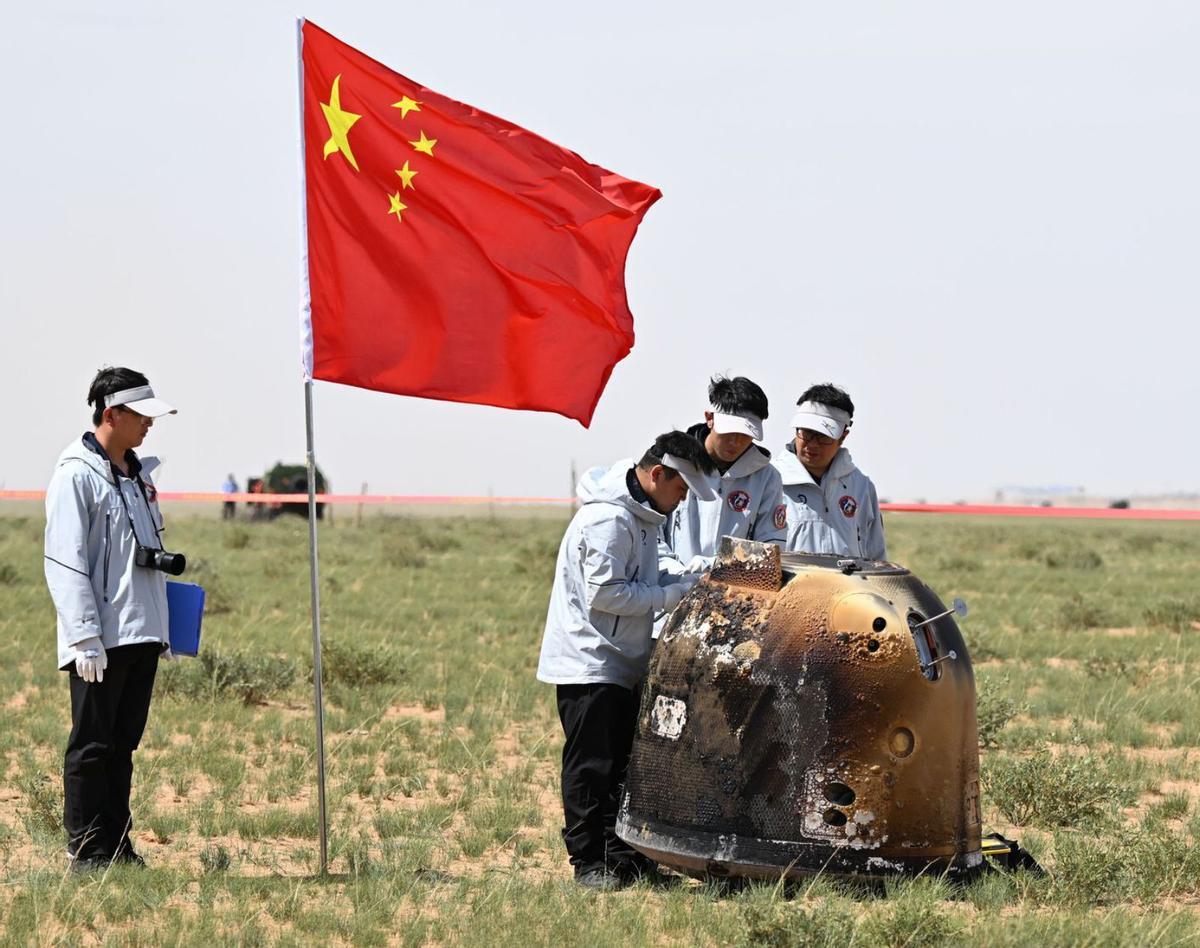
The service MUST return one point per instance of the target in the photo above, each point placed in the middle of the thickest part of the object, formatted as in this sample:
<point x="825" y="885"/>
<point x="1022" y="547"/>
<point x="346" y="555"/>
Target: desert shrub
<point x="237" y="538"/>
<point x="1147" y="862"/>
<point x="251" y="678"/>
<point x="404" y="552"/>
<point x="957" y="563"/>
<point x="1103" y="666"/>
<point x="1078" y="612"/>
<point x="1087" y="869"/>
<point x="1140" y="542"/>
<point x="544" y="549"/>
<point x="994" y="709"/>
<point x="1054" y="790"/>
<point x="1176" y="614"/>
<point x="42" y="803"/>
<point x="1028" y="550"/>
<point x="440" y="541"/>
<point x="349" y="663"/>
<point x="982" y="646"/>
<point x="535" y="556"/>
<point x="201" y="571"/>
<point x="1075" y="558"/>
<point x="408" y="539"/>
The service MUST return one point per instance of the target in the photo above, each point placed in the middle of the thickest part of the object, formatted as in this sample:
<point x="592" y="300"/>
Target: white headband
<point x="727" y="423"/>
<point x="820" y="408"/>
<point x="817" y="416"/>
<point x="697" y="483"/>
<point x="138" y="394"/>
<point x="140" y="400"/>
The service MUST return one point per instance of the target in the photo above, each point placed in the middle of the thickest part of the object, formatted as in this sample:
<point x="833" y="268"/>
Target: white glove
<point x="168" y="656"/>
<point x="91" y="659"/>
<point x="700" y="564"/>
<point x="689" y="580"/>
<point x="672" y="594"/>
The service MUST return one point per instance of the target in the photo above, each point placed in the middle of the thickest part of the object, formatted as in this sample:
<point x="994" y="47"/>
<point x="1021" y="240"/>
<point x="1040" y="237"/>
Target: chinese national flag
<point x="452" y="254"/>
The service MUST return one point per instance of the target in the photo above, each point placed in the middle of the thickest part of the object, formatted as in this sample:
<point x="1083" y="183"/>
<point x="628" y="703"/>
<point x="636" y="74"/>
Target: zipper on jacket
<point x="107" y="549"/>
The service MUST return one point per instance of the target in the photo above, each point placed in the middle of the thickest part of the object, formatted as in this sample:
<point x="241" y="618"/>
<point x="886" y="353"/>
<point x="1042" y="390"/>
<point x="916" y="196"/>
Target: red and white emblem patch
<point x="781" y="517"/>
<point x="739" y="500"/>
<point x="151" y="491"/>
<point x="848" y="504"/>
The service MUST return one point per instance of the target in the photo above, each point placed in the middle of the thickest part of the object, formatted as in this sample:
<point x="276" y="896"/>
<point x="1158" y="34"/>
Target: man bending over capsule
<point x="607" y="592"/>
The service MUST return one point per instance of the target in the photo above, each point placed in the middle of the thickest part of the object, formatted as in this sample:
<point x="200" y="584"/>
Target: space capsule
<point x="804" y="714"/>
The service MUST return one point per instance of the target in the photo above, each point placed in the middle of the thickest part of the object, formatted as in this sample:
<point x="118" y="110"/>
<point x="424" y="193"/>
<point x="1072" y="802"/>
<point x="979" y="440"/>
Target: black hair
<point x="680" y="444"/>
<point x="737" y="396"/>
<point x="108" y="381"/>
<point x="828" y="394"/>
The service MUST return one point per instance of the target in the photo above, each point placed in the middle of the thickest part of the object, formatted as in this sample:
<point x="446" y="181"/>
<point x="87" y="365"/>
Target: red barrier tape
<point x="996" y="510"/>
<point x="271" y="499"/>
<point x="426" y="500"/>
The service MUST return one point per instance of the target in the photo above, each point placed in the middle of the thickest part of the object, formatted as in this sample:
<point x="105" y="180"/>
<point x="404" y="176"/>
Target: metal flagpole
<point x="318" y="702"/>
<point x="306" y="349"/>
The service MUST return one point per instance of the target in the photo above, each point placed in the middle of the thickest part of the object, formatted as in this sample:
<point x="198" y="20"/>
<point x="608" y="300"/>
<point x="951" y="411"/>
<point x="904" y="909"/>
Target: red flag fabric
<point x="452" y="254"/>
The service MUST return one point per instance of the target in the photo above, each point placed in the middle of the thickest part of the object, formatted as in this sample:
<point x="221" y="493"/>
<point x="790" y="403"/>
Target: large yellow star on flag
<point x="406" y="105"/>
<point x="425" y="145"/>
<point x="406" y="176"/>
<point x="397" y="207"/>
<point x="340" y="122"/>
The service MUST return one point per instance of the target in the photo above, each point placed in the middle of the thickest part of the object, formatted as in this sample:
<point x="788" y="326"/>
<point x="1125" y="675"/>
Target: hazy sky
<point x="982" y="220"/>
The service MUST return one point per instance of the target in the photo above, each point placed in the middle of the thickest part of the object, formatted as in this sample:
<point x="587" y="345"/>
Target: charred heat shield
<point x="802" y="715"/>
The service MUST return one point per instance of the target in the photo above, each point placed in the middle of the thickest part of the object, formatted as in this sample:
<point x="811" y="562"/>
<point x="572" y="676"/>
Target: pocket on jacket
<point x="107" y="548"/>
<point x="607" y="624"/>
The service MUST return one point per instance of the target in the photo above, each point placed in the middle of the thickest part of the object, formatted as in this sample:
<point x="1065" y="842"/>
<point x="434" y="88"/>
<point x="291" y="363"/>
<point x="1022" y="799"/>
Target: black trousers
<point x="229" y="510"/>
<point x="598" y="721"/>
<point x="107" y="721"/>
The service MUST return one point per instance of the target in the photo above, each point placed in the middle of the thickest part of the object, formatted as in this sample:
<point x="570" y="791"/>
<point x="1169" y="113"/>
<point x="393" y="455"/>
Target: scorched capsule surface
<point x="797" y="717"/>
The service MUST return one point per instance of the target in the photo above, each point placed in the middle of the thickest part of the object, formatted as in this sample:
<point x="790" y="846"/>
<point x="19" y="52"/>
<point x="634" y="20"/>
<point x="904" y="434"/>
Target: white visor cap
<point x="737" y="424"/>
<point x="822" y="418"/>
<point x="141" y="400"/>
<point x="692" y="476"/>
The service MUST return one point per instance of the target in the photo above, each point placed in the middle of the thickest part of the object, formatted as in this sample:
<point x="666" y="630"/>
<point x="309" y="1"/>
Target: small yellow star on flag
<point x="397" y="207"/>
<point x="340" y="122"/>
<point x="406" y="176"/>
<point x="406" y="105"/>
<point x="425" y="145"/>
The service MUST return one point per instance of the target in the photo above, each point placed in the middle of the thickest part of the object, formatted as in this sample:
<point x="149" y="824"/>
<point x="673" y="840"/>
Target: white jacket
<point x="749" y="505"/>
<point x="841" y="515"/>
<point x="96" y="588"/>
<point x="606" y="587"/>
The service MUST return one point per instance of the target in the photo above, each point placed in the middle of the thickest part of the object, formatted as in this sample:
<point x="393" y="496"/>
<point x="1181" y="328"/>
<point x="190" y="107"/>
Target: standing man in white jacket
<point x="748" y="495"/>
<point x="831" y="505"/>
<point x="102" y="519"/>
<point x="607" y="591"/>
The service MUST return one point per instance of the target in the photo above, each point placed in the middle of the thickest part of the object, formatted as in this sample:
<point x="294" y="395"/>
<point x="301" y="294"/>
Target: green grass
<point x="442" y="750"/>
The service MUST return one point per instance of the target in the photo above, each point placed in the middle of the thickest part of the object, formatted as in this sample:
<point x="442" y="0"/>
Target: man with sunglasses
<point x="831" y="504"/>
<point x="101" y="507"/>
